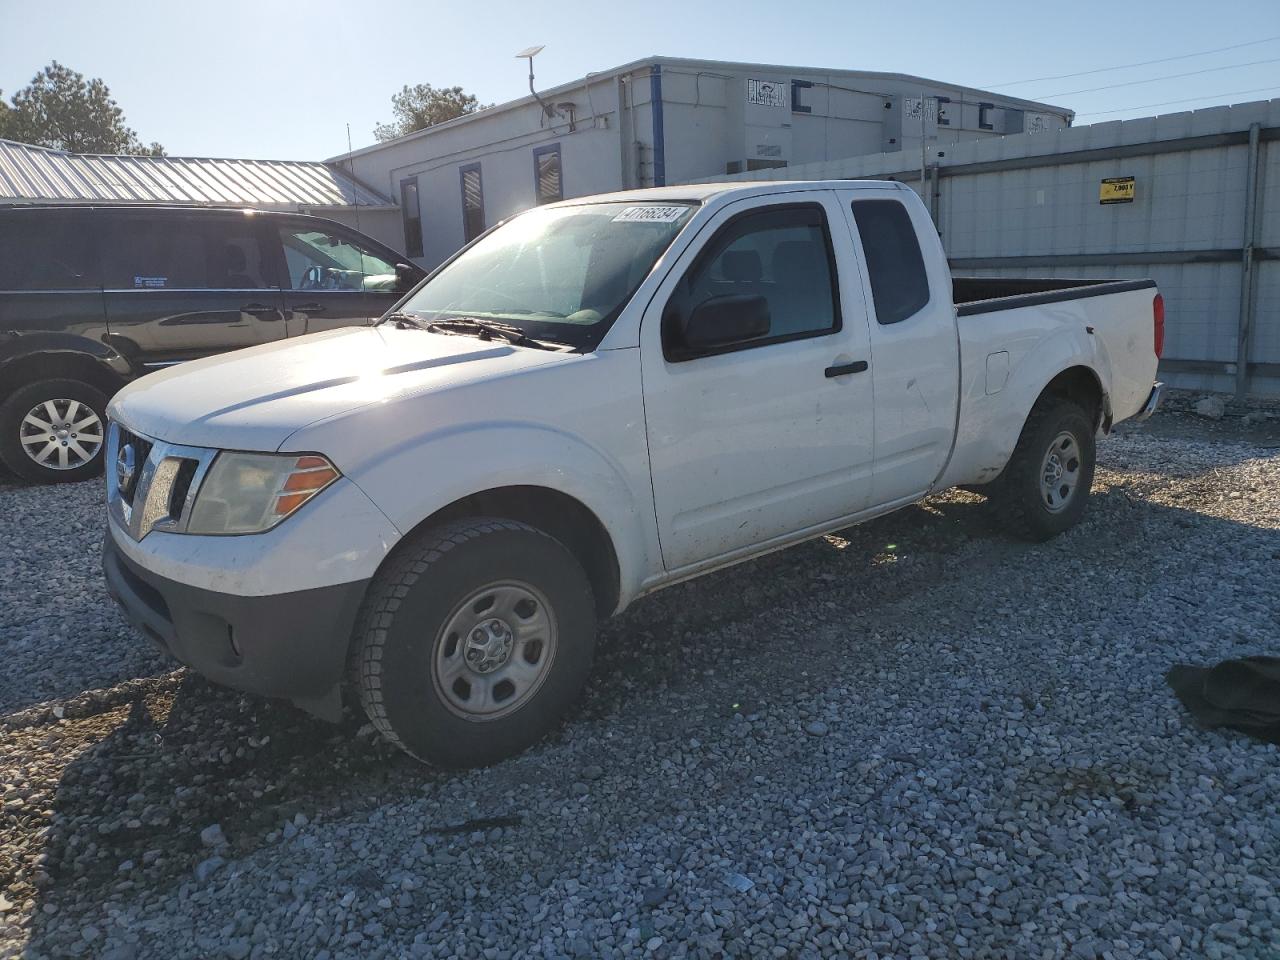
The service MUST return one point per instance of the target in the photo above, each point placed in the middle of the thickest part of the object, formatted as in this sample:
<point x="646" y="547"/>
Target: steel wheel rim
<point x="61" y="434"/>
<point x="495" y="651"/>
<point x="1060" y="472"/>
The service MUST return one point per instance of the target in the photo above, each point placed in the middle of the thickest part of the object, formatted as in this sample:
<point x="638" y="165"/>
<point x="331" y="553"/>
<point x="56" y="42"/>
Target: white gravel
<point x="920" y="739"/>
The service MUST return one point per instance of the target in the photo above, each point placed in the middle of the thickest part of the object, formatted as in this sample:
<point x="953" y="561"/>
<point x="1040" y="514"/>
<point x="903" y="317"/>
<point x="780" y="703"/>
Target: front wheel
<point x="1045" y="487"/>
<point x="53" y="431"/>
<point x="474" y="641"/>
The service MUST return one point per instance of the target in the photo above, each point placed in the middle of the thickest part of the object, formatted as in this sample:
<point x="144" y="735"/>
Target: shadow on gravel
<point x="145" y="776"/>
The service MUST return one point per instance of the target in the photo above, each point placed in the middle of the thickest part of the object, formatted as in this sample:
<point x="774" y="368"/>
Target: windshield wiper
<point x="485" y="330"/>
<point x="402" y="320"/>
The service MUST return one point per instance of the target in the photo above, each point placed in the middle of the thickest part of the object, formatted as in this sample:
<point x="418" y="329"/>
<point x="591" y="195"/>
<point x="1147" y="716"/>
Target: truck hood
<point x="254" y="399"/>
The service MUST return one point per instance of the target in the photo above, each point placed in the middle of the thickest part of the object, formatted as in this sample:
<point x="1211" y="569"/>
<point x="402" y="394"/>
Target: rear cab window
<point x="899" y="283"/>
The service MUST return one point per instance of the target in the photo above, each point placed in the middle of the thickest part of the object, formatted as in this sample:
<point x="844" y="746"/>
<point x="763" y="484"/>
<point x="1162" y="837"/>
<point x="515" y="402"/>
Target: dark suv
<point x="93" y="296"/>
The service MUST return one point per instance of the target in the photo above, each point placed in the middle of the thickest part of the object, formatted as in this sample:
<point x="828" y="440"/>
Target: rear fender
<point x="990" y="423"/>
<point x="25" y="358"/>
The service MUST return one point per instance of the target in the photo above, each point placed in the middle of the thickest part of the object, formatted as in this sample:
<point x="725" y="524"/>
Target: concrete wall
<point x="707" y="125"/>
<point x="1028" y="205"/>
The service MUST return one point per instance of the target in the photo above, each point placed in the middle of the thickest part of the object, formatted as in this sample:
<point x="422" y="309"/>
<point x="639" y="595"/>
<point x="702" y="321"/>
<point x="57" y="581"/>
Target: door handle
<point x="845" y="369"/>
<point x="260" y="310"/>
<point x="310" y="308"/>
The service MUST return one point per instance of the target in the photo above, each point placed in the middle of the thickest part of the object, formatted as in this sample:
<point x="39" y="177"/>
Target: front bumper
<point x="291" y="645"/>
<point x="1153" y="401"/>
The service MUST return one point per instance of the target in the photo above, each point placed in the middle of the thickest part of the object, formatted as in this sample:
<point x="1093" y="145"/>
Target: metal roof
<point x="704" y="66"/>
<point x="33" y="174"/>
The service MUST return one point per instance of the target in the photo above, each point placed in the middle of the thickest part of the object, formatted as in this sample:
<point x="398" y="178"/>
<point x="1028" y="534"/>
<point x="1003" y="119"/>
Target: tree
<point x="62" y="110"/>
<point x="422" y="106"/>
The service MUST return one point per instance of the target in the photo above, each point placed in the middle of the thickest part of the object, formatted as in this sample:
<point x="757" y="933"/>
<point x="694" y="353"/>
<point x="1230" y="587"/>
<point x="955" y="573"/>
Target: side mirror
<point x="722" y="321"/>
<point x="407" y="277"/>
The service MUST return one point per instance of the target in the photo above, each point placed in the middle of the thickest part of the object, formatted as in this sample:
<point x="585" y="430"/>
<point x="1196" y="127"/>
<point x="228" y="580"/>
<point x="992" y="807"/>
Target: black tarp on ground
<point x="1241" y="694"/>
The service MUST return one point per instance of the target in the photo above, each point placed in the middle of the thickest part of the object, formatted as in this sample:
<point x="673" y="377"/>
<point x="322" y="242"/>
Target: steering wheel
<point x="312" y="278"/>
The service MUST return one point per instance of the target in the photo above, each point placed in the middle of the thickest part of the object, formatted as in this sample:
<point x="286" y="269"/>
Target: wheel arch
<point x="60" y="363"/>
<point x="554" y="512"/>
<point x="1081" y="385"/>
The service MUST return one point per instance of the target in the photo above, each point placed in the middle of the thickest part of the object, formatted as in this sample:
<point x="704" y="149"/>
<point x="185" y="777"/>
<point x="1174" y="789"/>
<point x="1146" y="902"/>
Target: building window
<point x="547" y="182"/>
<point x="411" y="210"/>
<point x="472" y="202"/>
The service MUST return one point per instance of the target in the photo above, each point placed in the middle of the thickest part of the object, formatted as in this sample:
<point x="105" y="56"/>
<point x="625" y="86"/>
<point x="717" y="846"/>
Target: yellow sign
<point x="1117" y="190"/>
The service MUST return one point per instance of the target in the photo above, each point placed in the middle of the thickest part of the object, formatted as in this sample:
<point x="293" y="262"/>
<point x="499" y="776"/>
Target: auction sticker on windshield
<point x="650" y="213"/>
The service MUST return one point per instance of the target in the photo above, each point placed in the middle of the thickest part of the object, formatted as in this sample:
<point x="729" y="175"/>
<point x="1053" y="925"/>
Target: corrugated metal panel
<point x="33" y="174"/>
<point x="1042" y="202"/>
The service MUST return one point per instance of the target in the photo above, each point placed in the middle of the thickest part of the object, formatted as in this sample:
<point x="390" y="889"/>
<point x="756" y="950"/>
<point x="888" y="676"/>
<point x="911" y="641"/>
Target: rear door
<point x="913" y="339"/>
<point x="186" y="284"/>
<point x="774" y="436"/>
<point x="49" y="279"/>
<point x="332" y="277"/>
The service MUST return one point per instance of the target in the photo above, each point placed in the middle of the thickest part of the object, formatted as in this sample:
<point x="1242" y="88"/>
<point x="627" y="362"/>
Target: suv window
<point x="46" y="251"/>
<point x="319" y="259"/>
<point x="142" y="252"/>
<point x="899" y="284"/>
<point x="783" y="254"/>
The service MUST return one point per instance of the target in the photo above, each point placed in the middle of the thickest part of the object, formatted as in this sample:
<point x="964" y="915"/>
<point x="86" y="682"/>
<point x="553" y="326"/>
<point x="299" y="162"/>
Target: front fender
<point x="413" y="482"/>
<point x="991" y="422"/>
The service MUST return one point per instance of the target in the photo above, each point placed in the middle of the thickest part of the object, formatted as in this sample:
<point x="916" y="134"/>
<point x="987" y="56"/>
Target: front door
<point x="182" y="285"/>
<point x="773" y="436"/>
<point x="332" y="279"/>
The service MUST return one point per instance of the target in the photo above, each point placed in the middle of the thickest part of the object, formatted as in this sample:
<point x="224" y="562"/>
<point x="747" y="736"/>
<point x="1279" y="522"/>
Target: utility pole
<point x="923" y="186"/>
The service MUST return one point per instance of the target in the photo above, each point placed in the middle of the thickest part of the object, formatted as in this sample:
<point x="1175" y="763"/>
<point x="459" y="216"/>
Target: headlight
<point x="252" y="492"/>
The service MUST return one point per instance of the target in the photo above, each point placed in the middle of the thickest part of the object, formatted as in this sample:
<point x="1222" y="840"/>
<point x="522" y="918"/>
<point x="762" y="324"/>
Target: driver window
<point x="782" y="254"/>
<point x="320" y="260"/>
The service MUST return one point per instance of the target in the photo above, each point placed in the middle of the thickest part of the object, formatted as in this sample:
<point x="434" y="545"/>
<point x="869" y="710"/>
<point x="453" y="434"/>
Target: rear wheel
<point x="1045" y="487"/>
<point x="54" y="431"/>
<point x="474" y="641"/>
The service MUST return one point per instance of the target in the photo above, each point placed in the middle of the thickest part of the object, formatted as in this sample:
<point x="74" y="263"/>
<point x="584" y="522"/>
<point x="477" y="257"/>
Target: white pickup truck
<point x="593" y="400"/>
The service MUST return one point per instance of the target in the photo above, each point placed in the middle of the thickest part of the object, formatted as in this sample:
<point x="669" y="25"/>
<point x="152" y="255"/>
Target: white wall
<point x="708" y="124"/>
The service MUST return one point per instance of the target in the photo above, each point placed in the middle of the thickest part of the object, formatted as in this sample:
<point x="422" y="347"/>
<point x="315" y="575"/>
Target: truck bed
<point x="987" y="294"/>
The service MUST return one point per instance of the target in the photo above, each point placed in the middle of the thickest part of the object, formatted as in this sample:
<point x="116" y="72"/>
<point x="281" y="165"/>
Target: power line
<point x="1170" y="76"/>
<point x="1165" y="103"/>
<point x="1125" y="66"/>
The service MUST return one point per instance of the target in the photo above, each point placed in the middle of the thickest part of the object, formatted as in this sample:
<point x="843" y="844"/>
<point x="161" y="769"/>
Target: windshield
<point x="561" y="274"/>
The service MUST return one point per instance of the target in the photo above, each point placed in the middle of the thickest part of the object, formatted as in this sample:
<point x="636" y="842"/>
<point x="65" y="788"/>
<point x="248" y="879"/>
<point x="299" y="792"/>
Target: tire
<point x="473" y="641"/>
<point x="1058" y="438"/>
<point x="54" y="409"/>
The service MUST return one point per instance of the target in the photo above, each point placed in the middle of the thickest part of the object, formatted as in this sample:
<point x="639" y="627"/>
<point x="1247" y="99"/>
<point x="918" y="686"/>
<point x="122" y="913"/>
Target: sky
<point x="269" y="79"/>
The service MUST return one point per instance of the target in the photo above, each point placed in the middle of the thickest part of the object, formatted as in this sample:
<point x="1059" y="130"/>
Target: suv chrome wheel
<point x="61" y="434"/>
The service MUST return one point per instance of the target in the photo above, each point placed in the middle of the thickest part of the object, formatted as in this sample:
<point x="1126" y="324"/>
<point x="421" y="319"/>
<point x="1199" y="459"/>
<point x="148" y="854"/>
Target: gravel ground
<point x="918" y="738"/>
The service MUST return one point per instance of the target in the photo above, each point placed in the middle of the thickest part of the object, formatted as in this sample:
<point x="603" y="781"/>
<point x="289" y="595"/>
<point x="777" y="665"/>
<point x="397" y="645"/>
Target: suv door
<point x="763" y="439"/>
<point x="185" y="284"/>
<point x="332" y="277"/>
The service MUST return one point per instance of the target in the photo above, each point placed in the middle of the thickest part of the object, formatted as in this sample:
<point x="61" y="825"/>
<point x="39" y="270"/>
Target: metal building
<point x="31" y="174"/>
<point x="1191" y="199"/>
<point x="655" y="121"/>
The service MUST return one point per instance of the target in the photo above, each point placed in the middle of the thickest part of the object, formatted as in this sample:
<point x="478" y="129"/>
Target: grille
<point x="182" y="485"/>
<point x="141" y="450"/>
